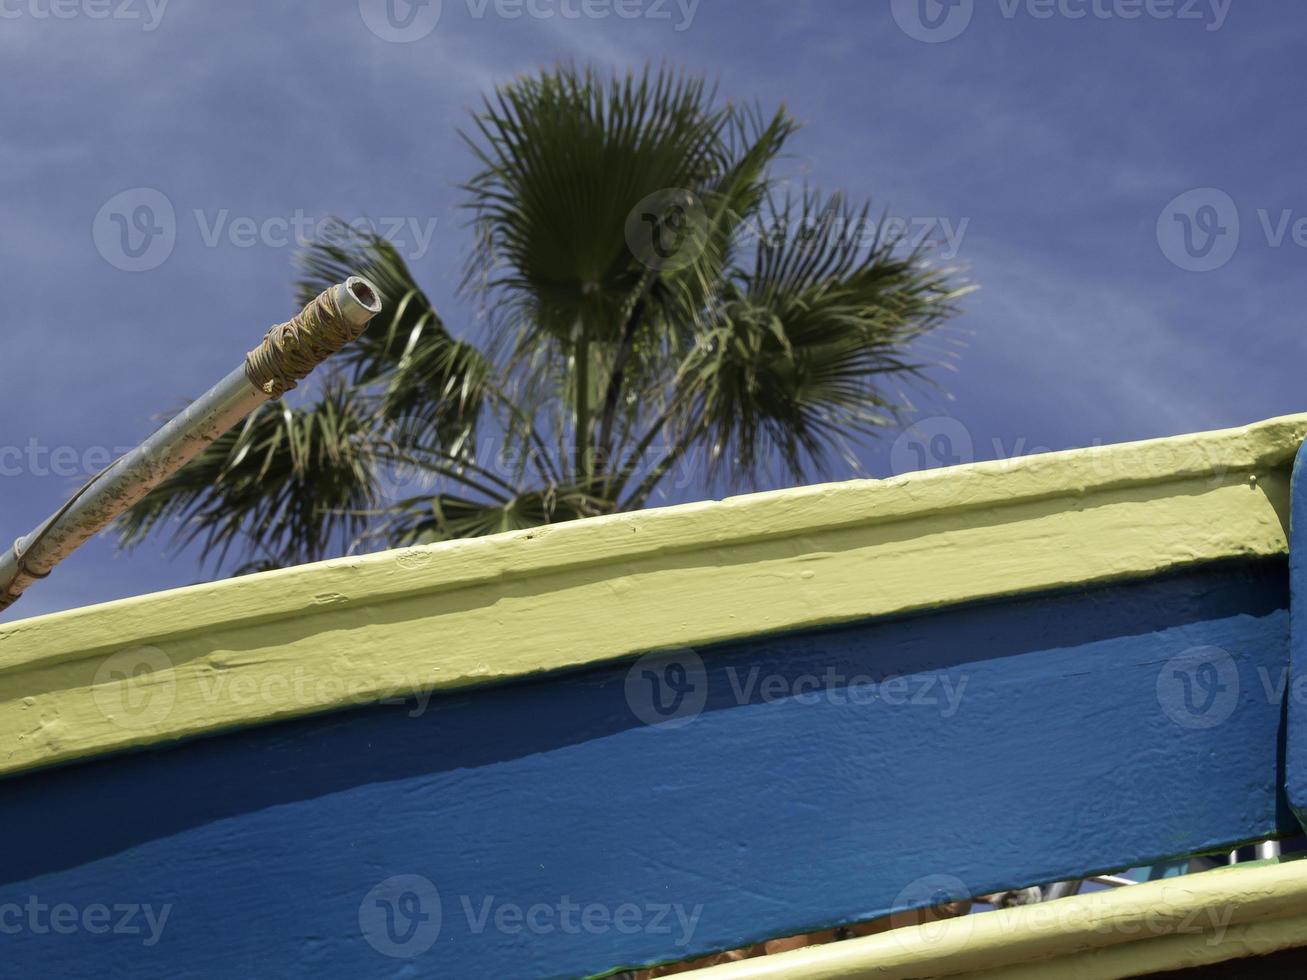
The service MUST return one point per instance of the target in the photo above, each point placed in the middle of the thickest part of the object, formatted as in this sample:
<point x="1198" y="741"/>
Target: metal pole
<point x="1112" y="881"/>
<point x="1062" y="889"/>
<point x="336" y="316"/>
<point x="1268" y="850"/>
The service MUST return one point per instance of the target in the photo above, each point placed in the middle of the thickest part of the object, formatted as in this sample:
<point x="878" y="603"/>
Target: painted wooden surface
<point x="546" y="829"/>
<point x="1213" y="917"/>
<point x="329" y="636"/>
<point x="1296" y="690"/>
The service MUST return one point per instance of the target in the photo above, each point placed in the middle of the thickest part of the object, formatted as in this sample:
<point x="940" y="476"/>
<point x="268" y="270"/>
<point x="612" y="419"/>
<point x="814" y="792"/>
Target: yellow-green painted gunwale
<point x="1213" y="917"/>
<point x="359" y="629"/>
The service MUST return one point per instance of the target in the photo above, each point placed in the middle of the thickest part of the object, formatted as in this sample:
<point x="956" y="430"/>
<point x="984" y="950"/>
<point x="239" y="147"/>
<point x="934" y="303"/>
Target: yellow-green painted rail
<point x="349" y="631"/>
<point x="1213" y="917"/>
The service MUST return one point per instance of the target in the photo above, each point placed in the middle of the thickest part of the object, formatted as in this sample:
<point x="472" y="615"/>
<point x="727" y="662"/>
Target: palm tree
<point x="653" y="300"/>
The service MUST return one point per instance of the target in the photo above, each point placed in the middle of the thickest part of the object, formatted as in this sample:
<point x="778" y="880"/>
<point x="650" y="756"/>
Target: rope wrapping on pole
<point x="292" y="349"/>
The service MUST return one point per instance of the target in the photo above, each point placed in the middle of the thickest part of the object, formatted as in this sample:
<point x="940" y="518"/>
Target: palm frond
<point x="289" y="485"/>
<point x="443" y="517"/>
<point x="807" y="338"/>
<point x="663" y="322"/>
<point x="564" y="157"/>
<point x="420" y="368"/>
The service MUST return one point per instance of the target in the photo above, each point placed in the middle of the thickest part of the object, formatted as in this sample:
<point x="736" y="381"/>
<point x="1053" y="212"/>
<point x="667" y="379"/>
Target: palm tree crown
<point x="652" y="298"/>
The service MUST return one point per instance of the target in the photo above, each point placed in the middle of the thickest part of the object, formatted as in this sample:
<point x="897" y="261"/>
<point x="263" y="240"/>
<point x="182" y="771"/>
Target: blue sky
<point x="1065" y="147"/>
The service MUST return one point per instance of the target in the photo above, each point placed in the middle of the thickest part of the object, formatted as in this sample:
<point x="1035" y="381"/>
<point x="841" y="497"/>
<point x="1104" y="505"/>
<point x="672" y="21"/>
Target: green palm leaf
<point x="795" y="365"/>
<point x="422" y="369"/>
<point x="287" y="486"/>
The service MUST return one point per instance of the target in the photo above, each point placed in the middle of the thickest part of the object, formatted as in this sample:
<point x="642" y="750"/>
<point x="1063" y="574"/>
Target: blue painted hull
<point x="547" y="829"/>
